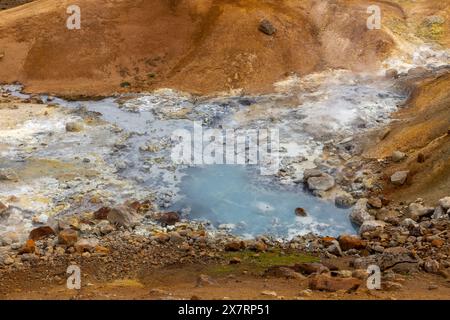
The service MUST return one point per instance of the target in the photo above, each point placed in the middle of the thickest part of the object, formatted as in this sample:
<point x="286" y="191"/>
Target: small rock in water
<point x="399" y="178"/>
<point x="75" y="126"/>
<point x="266" y="27"/>
<point x="344" y="200"/>
<point x="8" y="175"/>
<point x="300" y="212"/>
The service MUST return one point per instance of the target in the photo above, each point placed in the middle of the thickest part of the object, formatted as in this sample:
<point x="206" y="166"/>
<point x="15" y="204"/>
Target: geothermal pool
<point x="124" y="151"/>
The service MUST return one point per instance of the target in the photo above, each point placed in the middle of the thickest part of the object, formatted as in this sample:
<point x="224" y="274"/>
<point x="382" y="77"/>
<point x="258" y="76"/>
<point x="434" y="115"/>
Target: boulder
<point x="398" y="156"/>
<point x="388" y="259"/>
<point x="359" y="212"/>
<point x="399" y="178"/>
<point x="74" y="126"/>
<point x="431" y="266"/>
<point x="169" y="218"/>
<point x="308" y="268"/>
<point x="41" y="233"/>
<point x="122" y="216"/>
<point x="282" y="272"/>
<point x="332" y="284"/>
<point x="348" y="242"/>
<point x="28" y="247"/>
<point x="102" y="213"/>
<point x="235" y="246"/>
<point x="445" y="203"/>
<point x="371" y="225"/>
<point x="68" y="237"/>
<point x="344" y="200"/>
<point x="300" y="212"/>
<point x="266" y="27"/>
<point x="86" y="245"/>
<point x="323" y="183"/>
<point x="308" y="173"/>
<point x="417" y="210"/>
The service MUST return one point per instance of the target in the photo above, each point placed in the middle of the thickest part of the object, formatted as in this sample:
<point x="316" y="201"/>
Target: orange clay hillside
<point x="200" y="46"/>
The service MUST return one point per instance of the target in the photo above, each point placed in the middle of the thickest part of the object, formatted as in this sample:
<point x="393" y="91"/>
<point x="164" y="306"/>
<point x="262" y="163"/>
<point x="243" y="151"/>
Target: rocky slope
<point x="198" y="46"/>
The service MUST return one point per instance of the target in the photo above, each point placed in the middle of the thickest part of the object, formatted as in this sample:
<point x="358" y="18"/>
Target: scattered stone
<point x="28" y="247"/>
<point x="204" y="280"/>
<point x="431" y="266"/>
<point x="330" y="284"/>
<point x="399" y="178"/>
<point x="417" y="210"/>
<point x="266" y="27"/>
<point x="375" y="203"/>
<point x="348" y="242"/>
<point x="371" y="225"/>
<point x="344" y="200"/>
<point x="335" y="248"/>
<point x="300" y="212"/>
<point x="308" y="268"/>
<point x="41" y="233"/>
<point x="169" y="218"/>
<point x="86" y="245"/>
<point x="308" y="173"/>
<point x="439" y="213"/>
<point x="391" y="286"/>
<point x="8" y="175"/>
<point x="398" y="156"/>
<point x="388" y="259"/>
<point x="68" y="237"/>
<point x="122" y="216"/>
<point x="258" y="246"/>
<point x="445" y="203"/>
<point x="235" y="260"/>
<point x="75" y="126"/>
<point x="359" y="212"/>
<point x="235" y="246"/>
<point x="282" y="272"/>
<point x="269" y="293"/>
<point x="323" y="183"/>
<point x="102" y="213"/>
<point x="437" y="243"/>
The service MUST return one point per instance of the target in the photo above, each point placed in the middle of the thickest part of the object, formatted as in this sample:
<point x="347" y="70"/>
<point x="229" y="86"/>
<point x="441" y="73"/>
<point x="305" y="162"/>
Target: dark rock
<point x="308" y="268"/>
<point x="169" y="218"/>
<point x="41" y="233"/>
<point x="266" y="27"/>
<point x="300" y="212"/>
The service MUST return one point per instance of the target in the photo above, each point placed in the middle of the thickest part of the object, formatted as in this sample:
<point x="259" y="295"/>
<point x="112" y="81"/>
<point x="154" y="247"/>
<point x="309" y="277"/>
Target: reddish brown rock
<point x="330" y="284"/>
<point x="235" y="246"/>
<point x="348" y="242"/>
<point x="308" y="268"/>
<point x="102" y="213"/>
<point x="169" y="218"/>
<point x="68" y="237"/>
<point x="28" y="247"/>
<point x="41" y="233"/>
